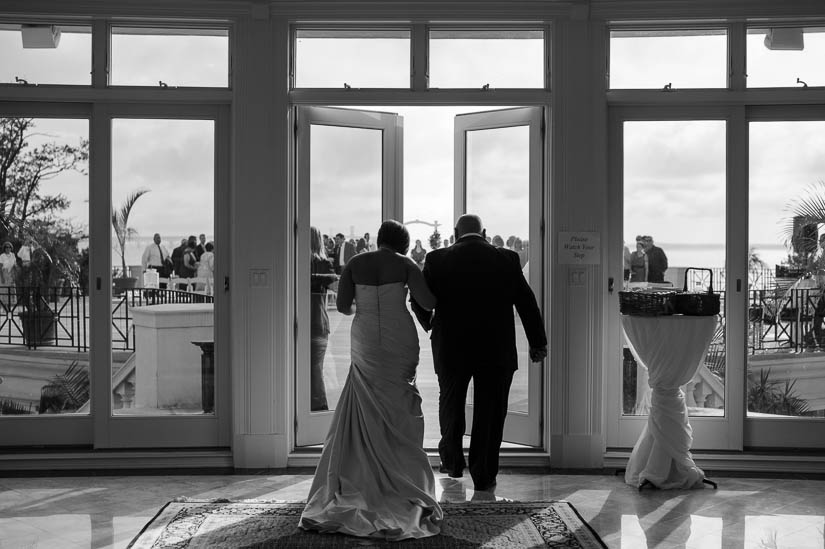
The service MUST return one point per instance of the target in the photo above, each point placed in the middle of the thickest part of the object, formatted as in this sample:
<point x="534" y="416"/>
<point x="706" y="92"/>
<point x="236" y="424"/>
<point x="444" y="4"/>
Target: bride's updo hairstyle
<point x="393" y="234"/>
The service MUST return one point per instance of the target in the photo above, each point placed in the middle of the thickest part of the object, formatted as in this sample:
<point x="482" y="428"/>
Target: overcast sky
<point x="675" y="171"/>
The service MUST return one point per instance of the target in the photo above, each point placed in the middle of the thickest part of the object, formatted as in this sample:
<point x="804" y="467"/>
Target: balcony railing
<point x="780" y="319"/>
<point x="59" y="317"/>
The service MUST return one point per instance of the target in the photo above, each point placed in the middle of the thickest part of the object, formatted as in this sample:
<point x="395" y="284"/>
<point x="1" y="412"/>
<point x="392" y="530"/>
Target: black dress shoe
<point x="485" y="487"/>
<point x="450" y="472"/>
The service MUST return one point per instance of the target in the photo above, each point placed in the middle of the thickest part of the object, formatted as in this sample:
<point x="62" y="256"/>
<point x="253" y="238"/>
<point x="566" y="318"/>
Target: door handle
<point x="610" y="284"/>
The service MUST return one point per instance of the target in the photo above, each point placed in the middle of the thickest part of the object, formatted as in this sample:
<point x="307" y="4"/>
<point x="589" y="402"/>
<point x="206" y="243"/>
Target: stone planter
<point x="123" y="283"/>
<point x="39" y="327"/>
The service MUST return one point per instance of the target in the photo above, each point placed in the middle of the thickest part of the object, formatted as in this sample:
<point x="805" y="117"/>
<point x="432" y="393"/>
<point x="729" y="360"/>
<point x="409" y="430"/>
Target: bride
<point x="374" y="478"/>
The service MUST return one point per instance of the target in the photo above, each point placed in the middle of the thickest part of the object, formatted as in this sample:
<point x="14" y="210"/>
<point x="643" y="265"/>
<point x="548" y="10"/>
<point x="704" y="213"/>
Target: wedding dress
<point x="374" y="478"/>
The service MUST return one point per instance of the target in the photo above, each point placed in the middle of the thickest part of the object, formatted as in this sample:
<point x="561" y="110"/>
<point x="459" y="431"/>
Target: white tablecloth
<point x="672" y="349"/>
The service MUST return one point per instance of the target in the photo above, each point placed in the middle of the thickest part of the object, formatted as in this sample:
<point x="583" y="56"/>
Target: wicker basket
<point x="696" y="303"/>
<point x="646" y="302"/>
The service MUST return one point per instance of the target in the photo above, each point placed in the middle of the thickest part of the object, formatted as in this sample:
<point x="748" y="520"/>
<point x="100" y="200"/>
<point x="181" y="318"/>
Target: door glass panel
<point x="678" y="58"/>
<point x="163" y="258"/>
<point x="674" y="199"/>
<point x="476" y="58"/>
<point x="44" y="266"/>
<point x="333" y="58"/>
<point x="786" y="270"/>
<point x="498" y="190"/>
<point x="786" y="57"/>
<point x="45" y="54"/>
<point x="345" y="204"/>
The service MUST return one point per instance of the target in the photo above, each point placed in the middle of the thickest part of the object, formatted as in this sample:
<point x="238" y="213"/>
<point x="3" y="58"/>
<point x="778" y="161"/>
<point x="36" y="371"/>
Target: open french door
<point x="349" y="178"/>
<point x="498" y="175"/>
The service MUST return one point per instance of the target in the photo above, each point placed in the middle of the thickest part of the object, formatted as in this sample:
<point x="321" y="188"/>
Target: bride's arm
<point x="419" y="290"/>
<point x="346" y="292"/>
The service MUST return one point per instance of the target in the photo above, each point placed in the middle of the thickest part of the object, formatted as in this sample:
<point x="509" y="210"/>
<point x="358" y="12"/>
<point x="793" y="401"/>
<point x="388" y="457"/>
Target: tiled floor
<point x="107" y="511"/>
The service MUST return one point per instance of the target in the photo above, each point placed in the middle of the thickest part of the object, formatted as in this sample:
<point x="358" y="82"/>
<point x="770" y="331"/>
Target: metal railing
<point x="790" y="320"/>
<point x="59" y="316"/>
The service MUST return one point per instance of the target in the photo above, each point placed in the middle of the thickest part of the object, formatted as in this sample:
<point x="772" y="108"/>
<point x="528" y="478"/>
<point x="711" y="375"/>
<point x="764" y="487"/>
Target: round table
<point x="672" y="349"/>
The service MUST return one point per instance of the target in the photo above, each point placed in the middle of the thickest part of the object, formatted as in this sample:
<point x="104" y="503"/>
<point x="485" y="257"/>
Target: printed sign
<point x="579" y="248"/>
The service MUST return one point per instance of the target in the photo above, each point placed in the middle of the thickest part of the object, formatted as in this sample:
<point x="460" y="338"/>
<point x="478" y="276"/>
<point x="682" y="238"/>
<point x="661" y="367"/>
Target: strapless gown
<point x="374" y="478"/>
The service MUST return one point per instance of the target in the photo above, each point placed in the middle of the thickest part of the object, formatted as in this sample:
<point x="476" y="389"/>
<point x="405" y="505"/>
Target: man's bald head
<point x="468" y="223"/>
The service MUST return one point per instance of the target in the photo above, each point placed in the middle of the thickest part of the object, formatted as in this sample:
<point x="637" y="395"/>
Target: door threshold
<point x="778" y="463"/>
<point x="121" y="462"/>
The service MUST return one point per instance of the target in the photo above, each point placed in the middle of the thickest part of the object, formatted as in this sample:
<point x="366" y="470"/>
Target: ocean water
<point x="713" y="255"/>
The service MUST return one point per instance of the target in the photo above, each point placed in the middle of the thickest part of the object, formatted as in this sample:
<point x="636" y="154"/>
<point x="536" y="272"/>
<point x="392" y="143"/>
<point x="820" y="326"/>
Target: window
<point x="340" y="58"/>
<point x="479" y="58"/>
<point x="171" y="57"/>
<point x="668" y="58"/>
<point x="786" y="57"/>
<point x="45" y="54"/>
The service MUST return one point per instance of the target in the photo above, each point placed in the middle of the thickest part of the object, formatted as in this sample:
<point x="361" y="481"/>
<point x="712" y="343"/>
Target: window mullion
<point x="420" y="75"/>
<point x="100" y="53"/>
<point x="737" y="48"/>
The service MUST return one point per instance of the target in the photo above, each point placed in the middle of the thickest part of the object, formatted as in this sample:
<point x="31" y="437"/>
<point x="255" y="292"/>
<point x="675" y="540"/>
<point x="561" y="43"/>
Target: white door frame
<point x="718" y="433"/>
<point x="157" y="431"/>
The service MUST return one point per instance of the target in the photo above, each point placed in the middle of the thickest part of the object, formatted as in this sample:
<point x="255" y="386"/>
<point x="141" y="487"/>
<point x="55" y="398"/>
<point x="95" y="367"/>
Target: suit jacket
<point x="349" y="251"/>
<point x="656" y="264"/>
<point x="476" y="286"/>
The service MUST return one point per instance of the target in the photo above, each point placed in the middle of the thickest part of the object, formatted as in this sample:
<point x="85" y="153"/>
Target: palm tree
<point x="120" y="223"/>
<point x="805" y="210"/>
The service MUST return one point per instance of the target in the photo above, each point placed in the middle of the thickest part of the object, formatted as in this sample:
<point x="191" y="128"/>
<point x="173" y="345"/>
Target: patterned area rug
<point x="263" y="524"/>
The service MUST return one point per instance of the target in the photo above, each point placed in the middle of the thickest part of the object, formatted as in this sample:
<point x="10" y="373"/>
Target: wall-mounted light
<point x="40" y="36"/>
<point x="785" y="38"/>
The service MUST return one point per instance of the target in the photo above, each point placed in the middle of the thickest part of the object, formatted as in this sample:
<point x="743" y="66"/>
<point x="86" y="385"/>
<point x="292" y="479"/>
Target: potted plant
<point x="123" y="234"/>
<point x="37" y="318"/>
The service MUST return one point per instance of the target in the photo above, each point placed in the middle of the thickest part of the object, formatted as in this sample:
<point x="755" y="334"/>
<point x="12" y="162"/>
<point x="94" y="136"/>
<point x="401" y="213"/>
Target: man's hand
<point x="537" y="354"/>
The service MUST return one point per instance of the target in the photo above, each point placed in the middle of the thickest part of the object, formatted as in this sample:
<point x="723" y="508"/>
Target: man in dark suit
<point x="656" y="260"/>
<point x="200" y="249"/>
<point x="473" y="337"/>
<point x="344" y="250"/>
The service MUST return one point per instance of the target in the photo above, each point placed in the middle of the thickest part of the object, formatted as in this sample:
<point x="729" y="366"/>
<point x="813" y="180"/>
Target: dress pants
<point x="490" y="392"/>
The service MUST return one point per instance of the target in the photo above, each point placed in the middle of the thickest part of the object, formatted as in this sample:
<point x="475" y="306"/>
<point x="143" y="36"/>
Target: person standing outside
<point x="156" y="257"/>
<point x="206" y="269"/>
<point x="476" y="286"/>
<point x="201" y="247"/>
<point x="418" y="253"/>
<point x="177" y="257"/>
<point x="370" y="244"/>
<point x="638" y="262"/>
<point x="344" y="250"/>
<point x="321" y="277"/>
<point x="8" y="269"/>
<point x="656" y="261"/>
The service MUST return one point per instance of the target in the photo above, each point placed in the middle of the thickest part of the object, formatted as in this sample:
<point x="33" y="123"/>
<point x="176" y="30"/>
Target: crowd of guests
<point x="193" y="258"/>
<point x="341" y="249"/>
